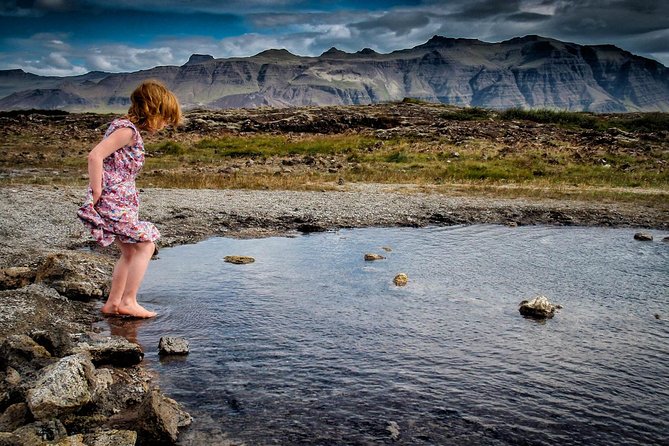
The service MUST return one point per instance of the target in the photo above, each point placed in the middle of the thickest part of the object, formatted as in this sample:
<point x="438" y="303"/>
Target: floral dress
<point x="116" y="212"/>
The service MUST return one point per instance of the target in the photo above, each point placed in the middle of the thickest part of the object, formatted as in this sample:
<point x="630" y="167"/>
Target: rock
<point x="62" y="388"/>
<point x="39" y="432"/>
<point x="57" y="341"/>
<point x="23" y="354"/>
<point x="643" y="236"/>
<point x="16" y="277"/>
<point x="538" y="308"/>
<point x="372" y="257"/>
<point x="14" y="417"/>
<point x="665" y="240"/>
<point x="401" y="279"/>
<point x="387" y="248"/>
<point x="72" y="440"/>
<point x="114" y="350"/>
<point x="239" y="260"/>
<point x="111" y="438"/>
<point x="169" y="345"/>
<point x="394" y="429"/>
<point x="160" y="418"/>
<point x="77" y="275"/>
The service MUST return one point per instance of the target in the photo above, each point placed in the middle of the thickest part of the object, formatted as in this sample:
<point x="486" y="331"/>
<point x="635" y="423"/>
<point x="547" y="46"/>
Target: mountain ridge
<point x="526" y="72"/>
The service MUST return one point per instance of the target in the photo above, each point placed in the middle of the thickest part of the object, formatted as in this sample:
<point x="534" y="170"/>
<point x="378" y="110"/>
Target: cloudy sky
<point x="70" y="37"/>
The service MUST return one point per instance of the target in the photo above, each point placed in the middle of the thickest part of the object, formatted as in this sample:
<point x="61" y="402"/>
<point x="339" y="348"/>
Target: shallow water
<point x="312" y="345"/>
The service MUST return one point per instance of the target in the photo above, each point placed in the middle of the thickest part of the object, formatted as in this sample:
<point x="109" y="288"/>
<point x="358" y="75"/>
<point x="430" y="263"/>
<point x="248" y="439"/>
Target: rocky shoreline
<point x="52" y="280"/>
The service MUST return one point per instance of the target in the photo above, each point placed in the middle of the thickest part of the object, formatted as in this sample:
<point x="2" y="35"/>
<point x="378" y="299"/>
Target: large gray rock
<point x="77" y="275"/>
<point x="23" y="354"/>
<point x="538" y="308"/>
<point x="63" y="387"/>
<point x="113" y="350"/>
<point x="170" y="345"/>
<point x="160" y="418"/>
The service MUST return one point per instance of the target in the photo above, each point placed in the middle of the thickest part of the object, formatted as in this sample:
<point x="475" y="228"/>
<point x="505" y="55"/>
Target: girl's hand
<point x="96" y="196"/>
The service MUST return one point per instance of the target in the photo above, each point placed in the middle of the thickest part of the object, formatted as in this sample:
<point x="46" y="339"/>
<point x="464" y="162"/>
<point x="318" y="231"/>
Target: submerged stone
<point x="239" y="260"/>
<point x="160" y="418"/>
<point x="401" y="279"/>
<point x="372" y="257"/>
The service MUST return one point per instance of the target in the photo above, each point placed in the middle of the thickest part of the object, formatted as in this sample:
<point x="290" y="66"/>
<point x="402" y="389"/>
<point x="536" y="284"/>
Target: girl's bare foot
<point x="135" y="310"/>
<point x="109" y="309"/>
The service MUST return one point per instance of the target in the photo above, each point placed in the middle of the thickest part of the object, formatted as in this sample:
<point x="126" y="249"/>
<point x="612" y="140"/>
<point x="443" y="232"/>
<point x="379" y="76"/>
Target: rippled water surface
<point x="312" y="345"/>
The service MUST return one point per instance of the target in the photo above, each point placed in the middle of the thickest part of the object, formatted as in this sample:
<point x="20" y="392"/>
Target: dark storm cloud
<point x="528" y="17"/>
<point x="399" y="23"/>
<point x="487" y="9"/>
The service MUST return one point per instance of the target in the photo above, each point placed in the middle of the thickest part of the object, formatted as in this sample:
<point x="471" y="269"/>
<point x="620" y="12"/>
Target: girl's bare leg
<point x="137" y="265"/>
<point x="119" y="278"/>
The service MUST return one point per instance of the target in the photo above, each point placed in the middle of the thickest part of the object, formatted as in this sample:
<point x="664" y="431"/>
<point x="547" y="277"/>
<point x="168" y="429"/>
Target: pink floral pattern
<point x="116" y="212"/>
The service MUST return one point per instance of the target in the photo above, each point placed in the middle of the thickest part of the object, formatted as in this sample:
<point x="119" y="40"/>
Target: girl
<point x="111" y="207"/>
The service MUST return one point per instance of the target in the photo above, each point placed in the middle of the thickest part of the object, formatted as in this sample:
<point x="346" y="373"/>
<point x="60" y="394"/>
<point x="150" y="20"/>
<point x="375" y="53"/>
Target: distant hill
<point x="527" y="72"/>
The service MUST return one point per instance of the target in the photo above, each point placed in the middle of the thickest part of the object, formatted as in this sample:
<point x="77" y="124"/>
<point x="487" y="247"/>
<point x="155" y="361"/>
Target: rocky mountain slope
<point x="527" y="72"/>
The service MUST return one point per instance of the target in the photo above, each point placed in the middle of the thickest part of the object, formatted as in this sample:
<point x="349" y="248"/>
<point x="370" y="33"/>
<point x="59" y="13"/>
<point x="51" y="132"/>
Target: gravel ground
<point x="36" y="219"/>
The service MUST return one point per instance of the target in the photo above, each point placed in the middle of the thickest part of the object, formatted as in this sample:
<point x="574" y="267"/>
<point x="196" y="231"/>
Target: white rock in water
<point x="539" y="308"/>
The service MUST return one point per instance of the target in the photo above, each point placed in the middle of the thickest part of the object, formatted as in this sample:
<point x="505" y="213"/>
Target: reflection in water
<point x="312" y="345"/>
<point x="125" y="327"/>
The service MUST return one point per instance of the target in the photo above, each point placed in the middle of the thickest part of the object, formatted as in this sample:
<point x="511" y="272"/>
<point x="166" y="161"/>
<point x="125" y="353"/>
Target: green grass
<point x="271" y="145"/>
<point x="467" y="114"/>
<point x="564" y="118"/>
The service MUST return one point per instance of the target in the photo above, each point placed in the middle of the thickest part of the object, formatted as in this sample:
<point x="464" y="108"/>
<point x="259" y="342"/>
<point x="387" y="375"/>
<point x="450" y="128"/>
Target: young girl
<point x="111" y="207"/>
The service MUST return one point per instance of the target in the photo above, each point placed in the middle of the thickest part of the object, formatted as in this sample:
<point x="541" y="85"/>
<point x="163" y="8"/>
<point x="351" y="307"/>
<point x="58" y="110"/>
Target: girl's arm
<point x="119" y="138"/>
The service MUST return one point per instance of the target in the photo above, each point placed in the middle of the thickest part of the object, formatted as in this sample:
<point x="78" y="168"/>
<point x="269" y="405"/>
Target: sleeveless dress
<point x="116" y="212"/>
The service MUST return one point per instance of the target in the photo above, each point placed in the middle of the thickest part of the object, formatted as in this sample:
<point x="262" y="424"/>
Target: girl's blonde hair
<point x="151" y="103"/>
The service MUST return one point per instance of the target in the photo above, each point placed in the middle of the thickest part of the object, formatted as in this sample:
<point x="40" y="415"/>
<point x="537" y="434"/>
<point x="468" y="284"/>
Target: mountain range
<point x="525" y="72"/>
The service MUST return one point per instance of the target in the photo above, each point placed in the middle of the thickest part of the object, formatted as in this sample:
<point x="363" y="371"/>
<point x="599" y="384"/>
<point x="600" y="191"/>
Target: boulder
<point x="111" y="438"/>
<point x="57" y="341"/>
<point x="63" y="387"/>
<point x="372" y="257"/>
<point x="14" y="417"/>
<point x="11" y="390"/>
<point x="170" y="345"/>
<point x="643" y="236"/>
<point x="77" y="275"/>
<point x="113" y="350"/>
<point x="16" y="277"/>
<point x="538" y="308"/>
<point x="239" y="260"/>
<point x="401" y="279"/>
<point x="160" y="418"/>
<point x="40" y="432"/>
<point x="23" y="354"/>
